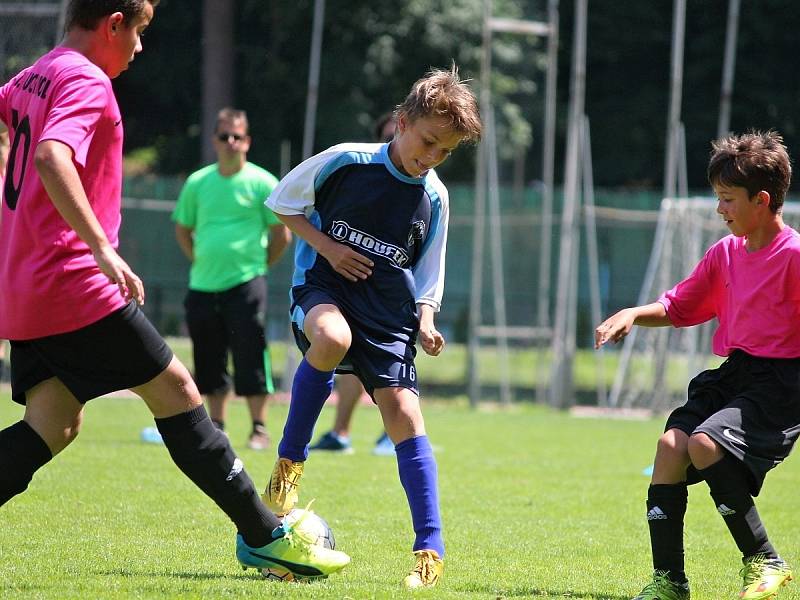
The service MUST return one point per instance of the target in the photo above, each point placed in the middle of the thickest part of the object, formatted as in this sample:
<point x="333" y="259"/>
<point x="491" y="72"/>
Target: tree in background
<point x="372" y="51"/>
<point x="371" y="54"/>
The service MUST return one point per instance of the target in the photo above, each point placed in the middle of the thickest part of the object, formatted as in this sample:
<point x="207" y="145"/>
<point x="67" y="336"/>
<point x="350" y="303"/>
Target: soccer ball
<point x="312" y="526"/>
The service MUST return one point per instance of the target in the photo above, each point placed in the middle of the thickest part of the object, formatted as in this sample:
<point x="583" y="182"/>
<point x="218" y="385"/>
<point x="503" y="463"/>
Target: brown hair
<point x="232" y="114"/>
<point x="755" y="161"/>
<point x="86" y="13"/>
<point x="443" y="94"/>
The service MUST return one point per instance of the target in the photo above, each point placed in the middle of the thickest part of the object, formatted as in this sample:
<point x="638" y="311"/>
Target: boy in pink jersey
<point x="70" y="304"/>
<point x="743" y="418"/>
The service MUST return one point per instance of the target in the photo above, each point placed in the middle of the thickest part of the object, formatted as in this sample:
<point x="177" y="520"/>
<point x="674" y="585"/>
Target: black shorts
<point x="230" y="321"/>
<point x="118" y="352"/>
<point x="378" y="359"/>
<point x="750" y="406"/>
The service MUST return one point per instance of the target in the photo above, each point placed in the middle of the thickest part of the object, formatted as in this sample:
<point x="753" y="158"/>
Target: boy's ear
<point x="762" y="197"/>
<point x="114" y="22"/>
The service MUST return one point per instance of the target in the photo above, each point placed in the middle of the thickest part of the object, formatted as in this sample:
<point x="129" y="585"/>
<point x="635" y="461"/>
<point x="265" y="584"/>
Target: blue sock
<point x="417" y="469"/>
<point x="310" y="390"/>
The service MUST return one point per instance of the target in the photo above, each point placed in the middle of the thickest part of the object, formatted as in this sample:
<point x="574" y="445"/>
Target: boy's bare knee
<point x="328" y="348"/>
<point x="171" y="392"/>
<point x="673" y="443"/>
<point x="703" y="451"/>
<point x="401" y="413"/>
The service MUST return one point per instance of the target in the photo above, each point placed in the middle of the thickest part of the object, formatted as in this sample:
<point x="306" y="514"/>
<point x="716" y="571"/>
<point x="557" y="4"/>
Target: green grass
<point x="536" y="504"/>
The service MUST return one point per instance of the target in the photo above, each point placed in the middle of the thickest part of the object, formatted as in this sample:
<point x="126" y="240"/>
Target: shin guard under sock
<point x="310" y="390"/>
<point x="418" y="474"/>
<point x="22" y="453"/>
<point x="666" y="508"/>
<point x="729" y="484"/>
<point x="204" y="454"/>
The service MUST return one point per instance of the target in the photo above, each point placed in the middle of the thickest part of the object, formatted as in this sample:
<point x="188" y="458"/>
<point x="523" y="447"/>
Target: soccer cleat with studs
<point x="763" y="577"/>
<point x="663" y="588"/>
<point x="427" y="570"/>
<point x="292" y="550"/>
<point x="281" y="493"/>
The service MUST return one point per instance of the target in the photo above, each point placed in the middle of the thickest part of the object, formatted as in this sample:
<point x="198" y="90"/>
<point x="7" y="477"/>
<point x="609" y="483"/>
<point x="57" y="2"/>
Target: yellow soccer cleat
<point x="427" y="570"/>
<point x="294" y="554"/>
<point x="763" y="577"/>
<point x="281" y="493"/>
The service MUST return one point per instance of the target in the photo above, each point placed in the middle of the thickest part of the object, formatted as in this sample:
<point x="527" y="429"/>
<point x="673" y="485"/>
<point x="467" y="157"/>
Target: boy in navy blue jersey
<point x="369" y="274"/>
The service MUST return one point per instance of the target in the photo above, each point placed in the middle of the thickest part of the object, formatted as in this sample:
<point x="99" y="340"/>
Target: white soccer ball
<point x="312" y="526"/>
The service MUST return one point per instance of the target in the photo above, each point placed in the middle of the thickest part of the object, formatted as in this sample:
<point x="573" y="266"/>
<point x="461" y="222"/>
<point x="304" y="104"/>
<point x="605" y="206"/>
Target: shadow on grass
<point x="252" y="574"/>
<point x="5" y="590"/>
<point x="534" y="592"/>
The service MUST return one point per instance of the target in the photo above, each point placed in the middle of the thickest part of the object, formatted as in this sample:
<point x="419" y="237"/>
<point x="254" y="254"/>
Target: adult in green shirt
<point x="230" y="237"/>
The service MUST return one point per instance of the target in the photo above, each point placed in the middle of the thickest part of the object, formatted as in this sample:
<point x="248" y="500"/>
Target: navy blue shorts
<point x="748" y="405"/>
<point x="231" y="321"/>
<point x="380" y="359"/>
<point x="118" y="352"/>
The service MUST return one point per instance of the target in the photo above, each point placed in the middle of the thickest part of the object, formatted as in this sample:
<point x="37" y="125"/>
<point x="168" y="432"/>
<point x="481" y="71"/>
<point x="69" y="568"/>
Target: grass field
<point x="536" y="504"/>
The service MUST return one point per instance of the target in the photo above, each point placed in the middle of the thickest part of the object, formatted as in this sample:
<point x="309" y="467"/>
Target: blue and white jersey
<point x="354" y="194"/>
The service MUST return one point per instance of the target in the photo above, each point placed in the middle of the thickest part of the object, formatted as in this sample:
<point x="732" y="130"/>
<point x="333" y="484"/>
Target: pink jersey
<point x="755" y="296"/>
<point x="49" y="281"/>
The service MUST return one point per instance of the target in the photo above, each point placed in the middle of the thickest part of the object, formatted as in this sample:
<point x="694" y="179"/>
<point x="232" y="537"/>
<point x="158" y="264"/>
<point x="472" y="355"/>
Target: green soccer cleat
<point x="663" y="588"/>
<point x="295" y="551"/>
<point x="763" y="577"/>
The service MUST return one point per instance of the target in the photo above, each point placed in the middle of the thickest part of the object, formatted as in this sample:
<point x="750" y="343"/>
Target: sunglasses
<point x="224" y="137"/>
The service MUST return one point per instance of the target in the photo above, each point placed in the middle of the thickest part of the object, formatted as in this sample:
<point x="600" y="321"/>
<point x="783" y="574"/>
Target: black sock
<point x="22" y="453"/>
<point x="666" y="507"/>
<point x="729" y="483"/>
<point x="259" y="426"/>
<point x="205" y="455"/>
<point x="218" y="424"/>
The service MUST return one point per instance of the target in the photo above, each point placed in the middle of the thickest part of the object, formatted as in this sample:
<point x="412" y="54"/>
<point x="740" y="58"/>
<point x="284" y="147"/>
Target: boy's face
<point x="422" y="144"/>
<point x="125" y="41"/>
<point x="741" y="213"/>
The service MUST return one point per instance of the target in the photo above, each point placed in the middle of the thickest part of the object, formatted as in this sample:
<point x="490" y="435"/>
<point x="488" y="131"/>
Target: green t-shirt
<point x="230" y="223"/>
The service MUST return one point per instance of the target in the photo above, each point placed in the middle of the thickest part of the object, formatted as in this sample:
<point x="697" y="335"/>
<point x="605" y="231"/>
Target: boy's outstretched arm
<point x="618" y="325"/>
<point x="431" y="340"/>
<point x="54" y="164"/>
<point x="344" y="260"/>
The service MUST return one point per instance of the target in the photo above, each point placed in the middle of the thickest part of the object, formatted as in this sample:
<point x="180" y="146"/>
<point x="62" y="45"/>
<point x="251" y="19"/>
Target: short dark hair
<point x="232" y="114"/>
<point x="86" y="13"/>
<point x="756" y="161"/>
<point x="380" y="123"/>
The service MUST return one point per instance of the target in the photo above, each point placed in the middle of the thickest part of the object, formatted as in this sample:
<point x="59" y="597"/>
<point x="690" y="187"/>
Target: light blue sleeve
<point x="294" y="194"/>
<point x="429" y="270"/>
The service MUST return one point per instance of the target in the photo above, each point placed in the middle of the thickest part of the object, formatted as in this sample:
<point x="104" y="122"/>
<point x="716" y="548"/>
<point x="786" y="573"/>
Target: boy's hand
<point x="431" y="340"/>
<point x="118" y="271"/>
<point x="347" y="262"/>
<point x="615" y="328"/>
